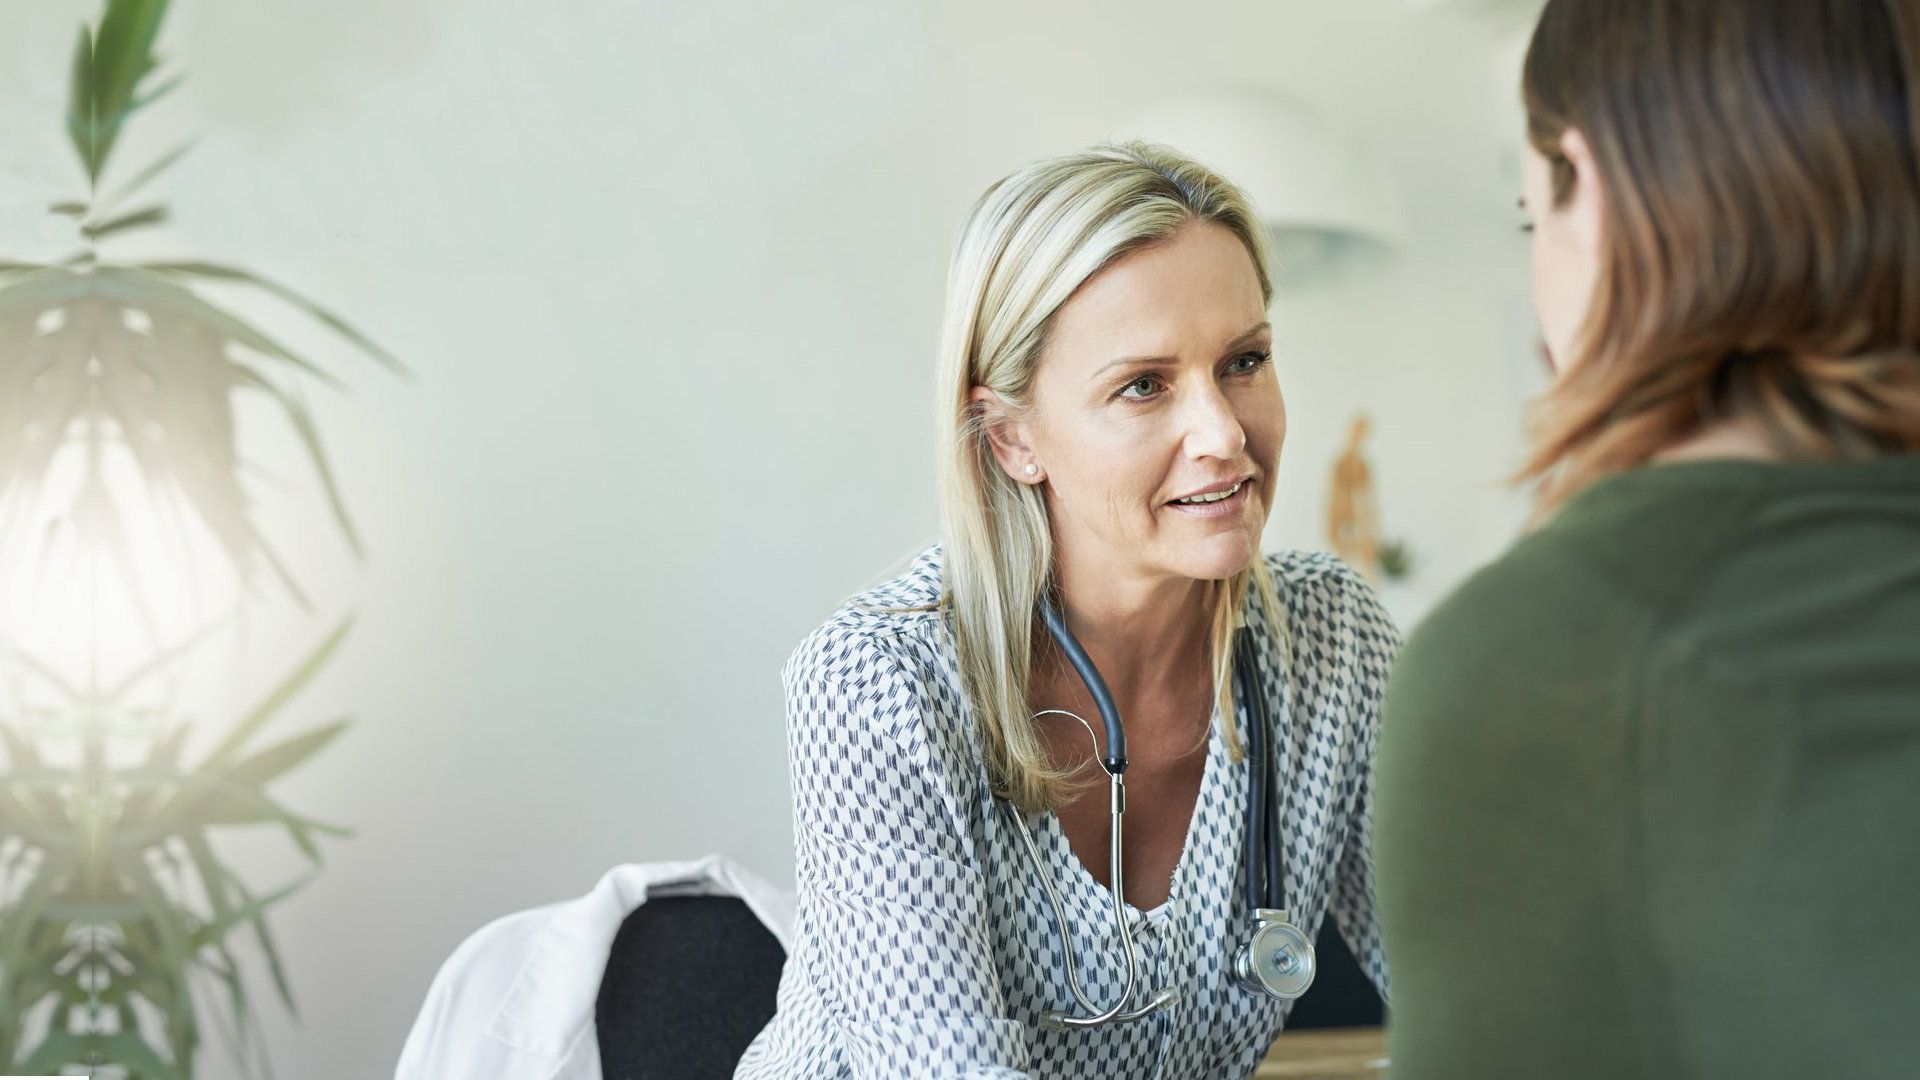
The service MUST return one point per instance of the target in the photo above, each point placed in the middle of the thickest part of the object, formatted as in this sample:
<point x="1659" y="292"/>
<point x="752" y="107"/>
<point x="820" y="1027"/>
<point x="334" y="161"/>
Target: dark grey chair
<point x="1341" y="995"/>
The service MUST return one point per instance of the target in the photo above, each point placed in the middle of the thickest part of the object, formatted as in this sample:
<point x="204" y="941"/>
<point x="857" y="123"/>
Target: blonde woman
<point x="1109" y="428"/>
<point x="1650" y="783"/>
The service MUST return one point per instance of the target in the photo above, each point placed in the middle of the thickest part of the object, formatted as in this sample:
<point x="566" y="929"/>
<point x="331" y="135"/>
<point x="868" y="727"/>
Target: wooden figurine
<point x="1353" y="513"/>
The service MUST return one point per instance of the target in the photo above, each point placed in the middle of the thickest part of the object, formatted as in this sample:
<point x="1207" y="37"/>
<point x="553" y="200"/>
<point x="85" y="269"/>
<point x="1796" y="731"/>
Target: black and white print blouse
<point x="924" y="943"/>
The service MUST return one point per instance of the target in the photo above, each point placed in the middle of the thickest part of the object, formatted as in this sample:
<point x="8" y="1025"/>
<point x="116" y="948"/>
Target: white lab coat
<point x="515" y="1000"/>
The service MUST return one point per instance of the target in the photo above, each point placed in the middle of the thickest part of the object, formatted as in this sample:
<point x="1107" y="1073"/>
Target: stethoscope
<point x="1277" y="958"/>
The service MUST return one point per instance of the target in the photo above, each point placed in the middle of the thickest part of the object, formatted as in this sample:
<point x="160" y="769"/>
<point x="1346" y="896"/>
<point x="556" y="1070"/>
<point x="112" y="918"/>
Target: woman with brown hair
<point x="1649" y="785"/>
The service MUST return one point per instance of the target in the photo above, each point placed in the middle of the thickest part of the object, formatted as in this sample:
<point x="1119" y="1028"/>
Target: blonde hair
<point x="1761" y="189"/>
<point x="1030" y="241"/>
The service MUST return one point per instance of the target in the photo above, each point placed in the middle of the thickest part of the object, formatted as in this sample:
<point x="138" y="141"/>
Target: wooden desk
<point x="1332" y="1054"/>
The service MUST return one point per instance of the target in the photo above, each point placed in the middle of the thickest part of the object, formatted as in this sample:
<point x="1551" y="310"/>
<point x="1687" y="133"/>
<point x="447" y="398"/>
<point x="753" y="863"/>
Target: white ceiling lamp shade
<point x="1326" y="203"/>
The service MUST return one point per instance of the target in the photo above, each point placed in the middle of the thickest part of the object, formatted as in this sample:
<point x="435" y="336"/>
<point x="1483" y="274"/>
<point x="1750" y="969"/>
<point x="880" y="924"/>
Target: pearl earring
<point x="1032" y="468"/>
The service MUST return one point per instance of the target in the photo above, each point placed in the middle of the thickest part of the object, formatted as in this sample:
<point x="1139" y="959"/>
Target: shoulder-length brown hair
<point x="1761" y="259"/>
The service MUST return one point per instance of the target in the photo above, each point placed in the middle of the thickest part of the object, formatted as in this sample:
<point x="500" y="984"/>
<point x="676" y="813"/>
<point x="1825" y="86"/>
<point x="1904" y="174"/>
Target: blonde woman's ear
<point x="1005" y="436"/>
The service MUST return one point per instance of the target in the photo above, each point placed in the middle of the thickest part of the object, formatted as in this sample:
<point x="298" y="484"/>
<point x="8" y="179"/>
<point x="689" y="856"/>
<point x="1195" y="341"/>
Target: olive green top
<point x="1648" y="792"/>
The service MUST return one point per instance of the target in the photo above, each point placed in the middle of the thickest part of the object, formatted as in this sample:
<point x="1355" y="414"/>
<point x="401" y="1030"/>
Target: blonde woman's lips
<point x="1227" y="507"/>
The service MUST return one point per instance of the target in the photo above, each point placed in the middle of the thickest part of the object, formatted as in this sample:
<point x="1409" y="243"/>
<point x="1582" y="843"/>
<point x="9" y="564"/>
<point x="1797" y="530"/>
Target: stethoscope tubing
<point x="1264" y="863"/>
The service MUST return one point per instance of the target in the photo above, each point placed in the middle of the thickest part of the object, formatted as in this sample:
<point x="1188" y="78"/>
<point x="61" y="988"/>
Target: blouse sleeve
<point x="891" y="922"/>
<point x="1375" y="643"/>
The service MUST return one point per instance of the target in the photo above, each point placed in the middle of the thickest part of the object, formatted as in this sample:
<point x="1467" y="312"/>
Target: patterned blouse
<point x="925" y="945"/>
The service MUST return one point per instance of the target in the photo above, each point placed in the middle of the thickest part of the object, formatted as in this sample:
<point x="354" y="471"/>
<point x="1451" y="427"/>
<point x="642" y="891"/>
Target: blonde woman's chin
<point x="1219" y="557"/>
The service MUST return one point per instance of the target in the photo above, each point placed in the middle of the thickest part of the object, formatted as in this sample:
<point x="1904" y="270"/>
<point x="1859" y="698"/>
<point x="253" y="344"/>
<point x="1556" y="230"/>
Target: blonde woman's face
<point x="1155" y="383"/>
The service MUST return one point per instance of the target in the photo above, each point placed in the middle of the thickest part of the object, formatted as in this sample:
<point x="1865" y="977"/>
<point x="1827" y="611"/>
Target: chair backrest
<point x="1341" y="995"/>
<point x="689" y="983"/>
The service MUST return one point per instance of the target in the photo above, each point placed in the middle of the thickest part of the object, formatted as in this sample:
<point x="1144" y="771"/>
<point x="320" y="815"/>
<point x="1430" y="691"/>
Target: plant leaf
<point x="23" y="918"/>
<point x="213" y="880"/>
<point x="156" y="93"/>
<point x="83" y="112"/>
<point x="43" y="825"/>
<point x="214" y="934"/>
<point x="108" y="66"/>
<point x="152" y="291"/>
<point x="127" y="1048"/>
<point x="164" y="916"/>
<point x="160" y="660"/>
<point x="221" y="272"/>
<point x="206" y="800"/>
<point x="147" y="174"/>
<point x="280" y="570"/>
<point x="58" y="1049"/>
<point x="133" y="219"/>
<point x="123" y="49"/>
<point x="303" y="425"/>
<point x="253" y="911"/>
<point x="23" y="915"/>
<point x="96" y="911"/>
<point x="265" y="766"/>
<point x="223" y="754"/>
<point x="166" y="751"/>
<point x="155" y="979"/>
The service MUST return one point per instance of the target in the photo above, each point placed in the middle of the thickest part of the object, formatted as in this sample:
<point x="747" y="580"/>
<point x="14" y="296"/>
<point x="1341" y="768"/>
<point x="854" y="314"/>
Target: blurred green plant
<point x="113" y="901"/>
<point x="1396" y="559"/>
<point x="131" y="352"/>
<point x="120" y="897"/>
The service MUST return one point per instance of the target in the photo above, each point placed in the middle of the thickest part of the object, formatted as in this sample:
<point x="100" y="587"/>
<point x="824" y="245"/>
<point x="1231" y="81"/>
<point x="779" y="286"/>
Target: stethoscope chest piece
<point x="1278" y="961"/>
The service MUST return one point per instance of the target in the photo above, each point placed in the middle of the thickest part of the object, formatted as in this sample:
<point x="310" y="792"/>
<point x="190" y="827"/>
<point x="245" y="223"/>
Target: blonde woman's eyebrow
<point x="1125" y="360"/>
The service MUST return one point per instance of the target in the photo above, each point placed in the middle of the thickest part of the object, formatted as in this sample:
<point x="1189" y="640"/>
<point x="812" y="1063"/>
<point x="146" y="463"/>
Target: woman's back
<point x="1650" y="786"/>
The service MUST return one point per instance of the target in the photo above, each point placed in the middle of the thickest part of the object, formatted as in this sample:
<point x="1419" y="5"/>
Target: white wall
<point x="670" y="277"/>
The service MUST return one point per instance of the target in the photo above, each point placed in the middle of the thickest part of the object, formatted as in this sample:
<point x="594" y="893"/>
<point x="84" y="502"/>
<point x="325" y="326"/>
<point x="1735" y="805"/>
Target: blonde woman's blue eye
<point x="1259" y="360"/>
